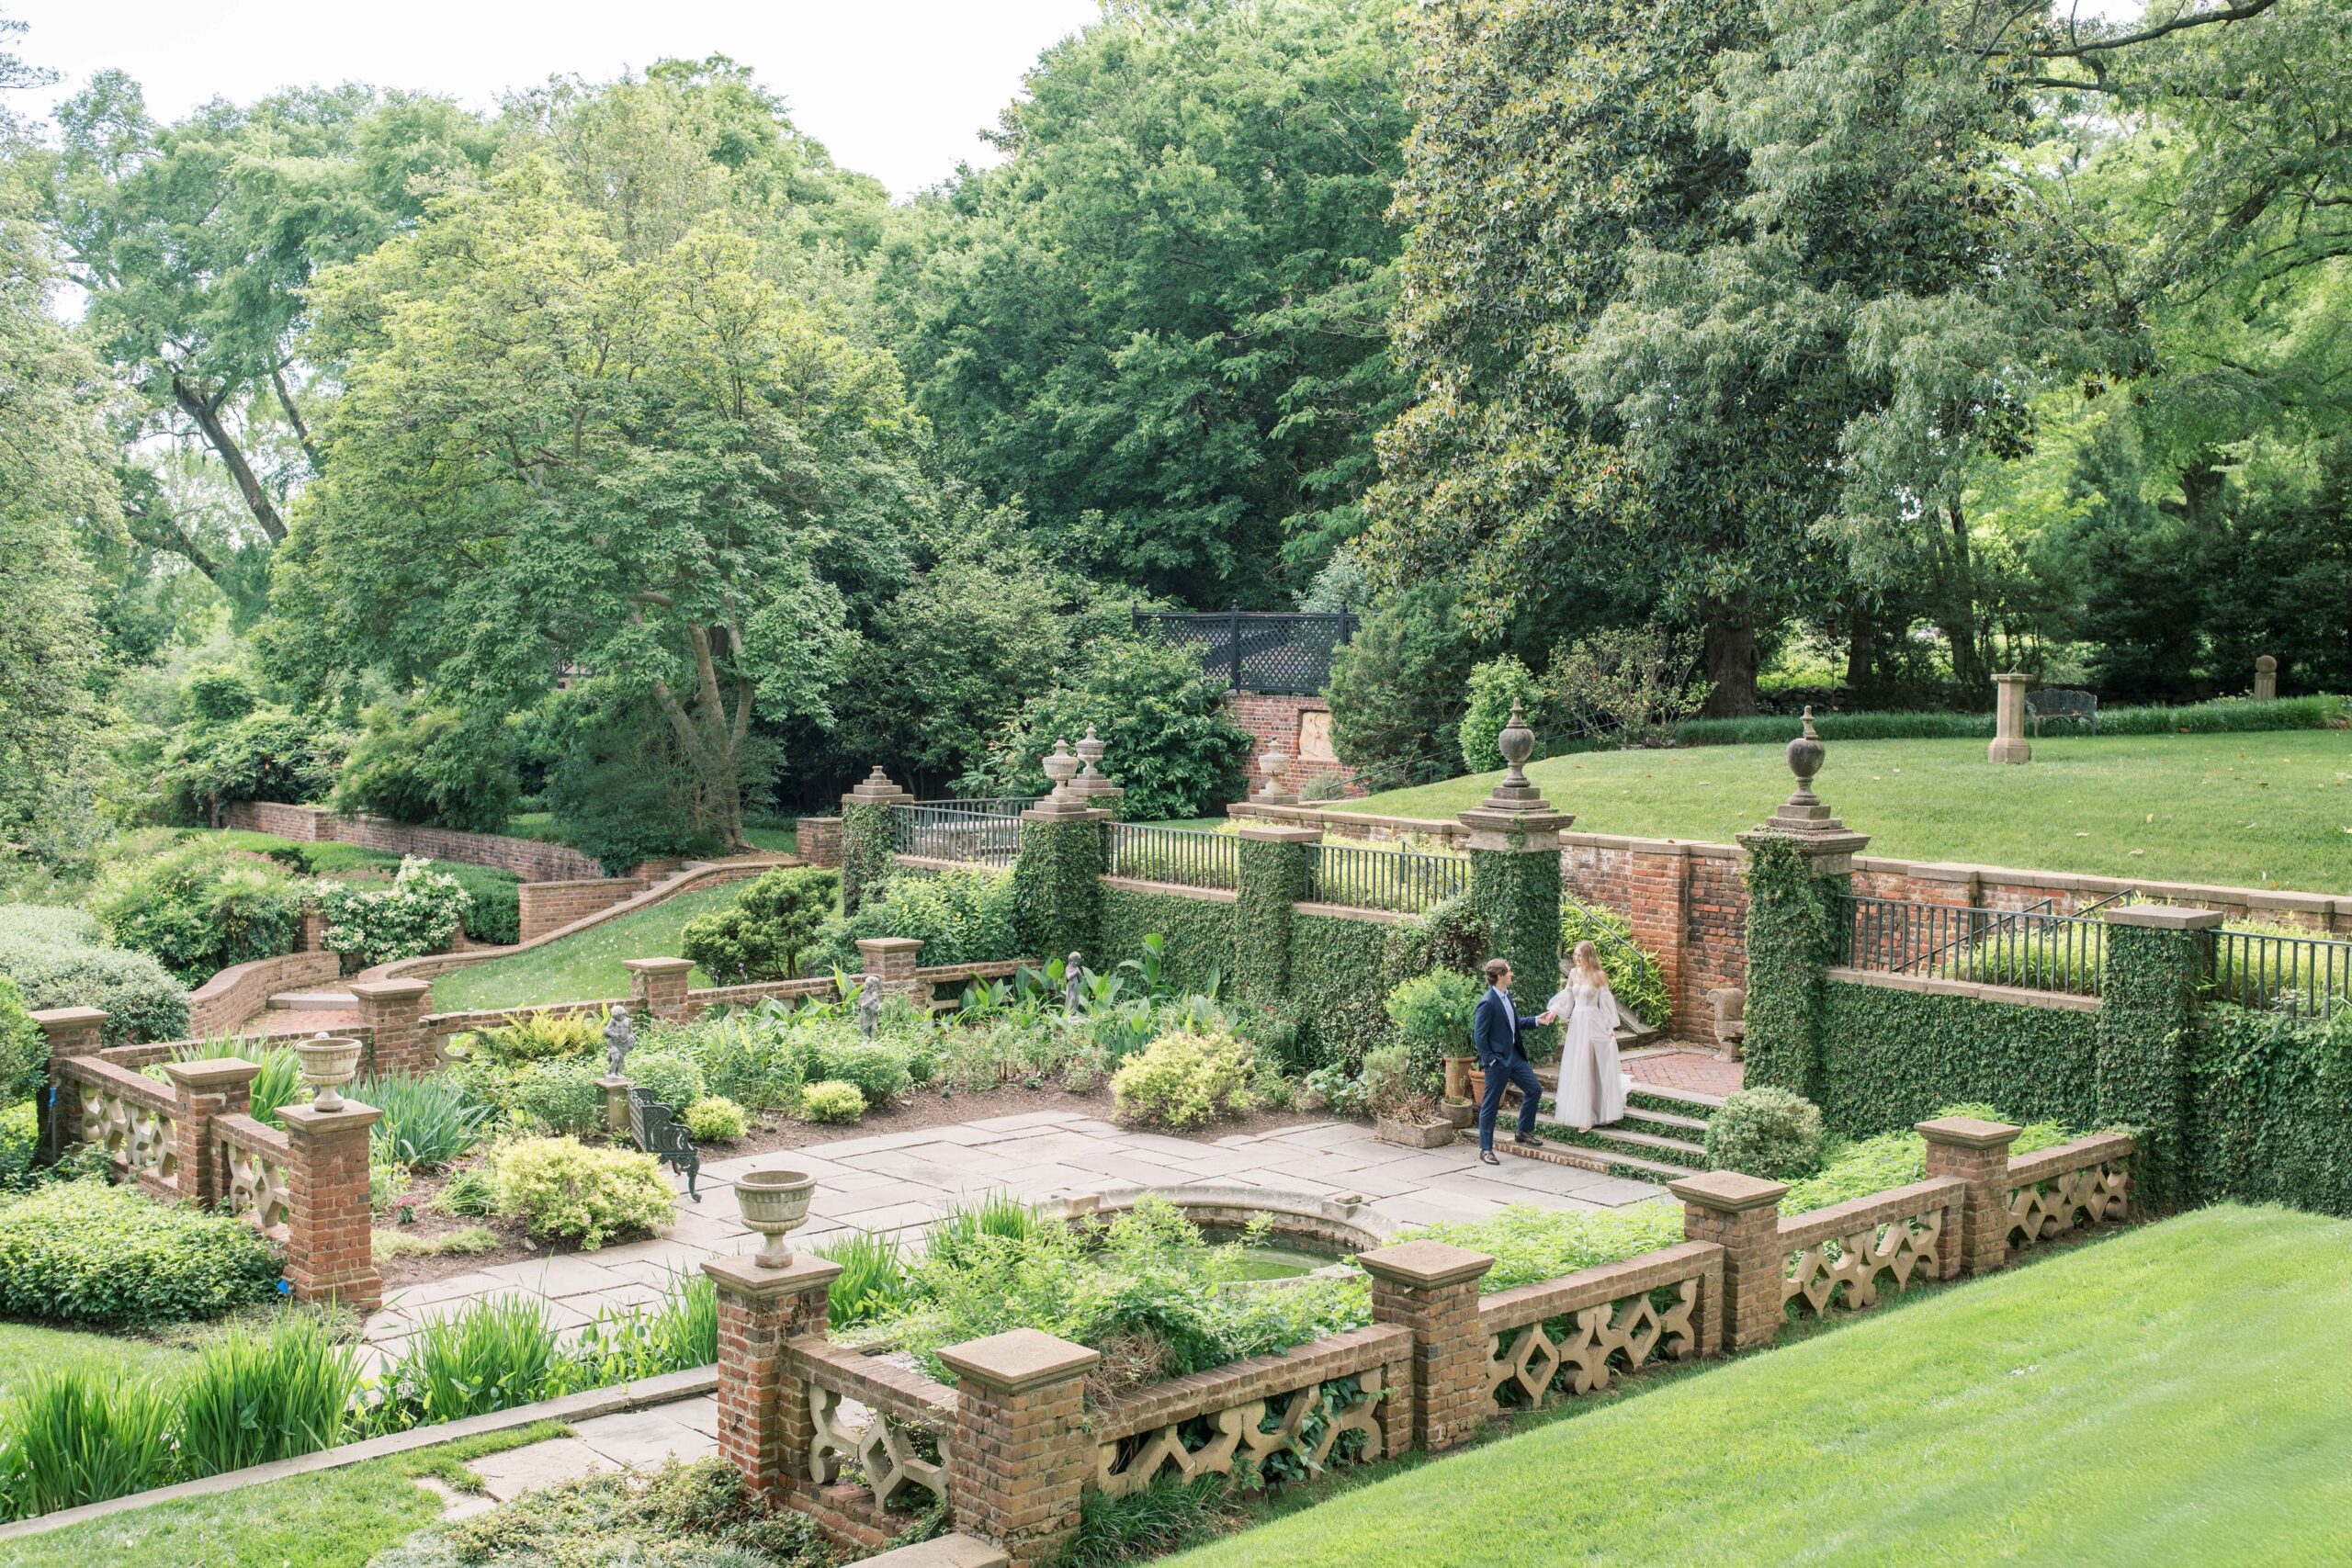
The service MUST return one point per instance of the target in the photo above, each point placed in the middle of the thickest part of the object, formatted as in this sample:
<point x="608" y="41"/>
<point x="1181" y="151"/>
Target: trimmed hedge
<point x="2270" y="1114"/>
<point x="58" y="959"/>
<point x="2230" y="715"/>
<point x="1892" y="1058"/>
<point x="86" y="1252"/>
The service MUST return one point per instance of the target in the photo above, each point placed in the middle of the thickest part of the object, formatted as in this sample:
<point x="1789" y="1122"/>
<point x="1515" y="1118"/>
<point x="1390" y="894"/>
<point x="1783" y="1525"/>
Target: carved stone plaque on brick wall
<point x="1314" y="737"/>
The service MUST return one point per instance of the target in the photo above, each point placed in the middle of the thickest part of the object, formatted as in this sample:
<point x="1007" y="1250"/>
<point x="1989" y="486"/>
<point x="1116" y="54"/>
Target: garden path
<point x="902" y="1182"/>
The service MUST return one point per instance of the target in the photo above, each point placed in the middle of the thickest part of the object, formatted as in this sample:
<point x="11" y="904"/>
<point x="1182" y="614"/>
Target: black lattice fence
<point x="1281" y="654"/>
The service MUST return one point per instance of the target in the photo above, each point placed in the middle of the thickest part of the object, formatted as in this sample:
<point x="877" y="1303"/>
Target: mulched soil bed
<point x="771" y="1133"/>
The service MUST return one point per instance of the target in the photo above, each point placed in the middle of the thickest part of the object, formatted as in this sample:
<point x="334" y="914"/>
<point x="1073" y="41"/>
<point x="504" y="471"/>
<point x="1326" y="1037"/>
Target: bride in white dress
<point x="1592" y="1088"/>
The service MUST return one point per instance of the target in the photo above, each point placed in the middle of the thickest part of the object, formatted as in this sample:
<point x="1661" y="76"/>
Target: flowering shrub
<point x="1182" y="1079"/>
<point x="421" y="911"/>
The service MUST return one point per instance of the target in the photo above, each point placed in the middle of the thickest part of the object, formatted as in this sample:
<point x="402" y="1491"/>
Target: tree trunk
<point x="206" y="415"/>
<point x="1731" y="659"/>
<point x="301" y="431"/>
<point x="712" y="737"/>
<point x="1861" y="650"/>
<point x="1957" y="617"/>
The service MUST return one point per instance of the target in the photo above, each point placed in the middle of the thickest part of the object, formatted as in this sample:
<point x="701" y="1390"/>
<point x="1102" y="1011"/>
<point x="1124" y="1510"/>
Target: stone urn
<point x="1061" y="767"/>
<point x="1806" y="755"/>
<point x="328" y="1063"/>
<point x="774" y="1203"/>
<point x="1274" y="763"/>
<point x="1517" y="743"/>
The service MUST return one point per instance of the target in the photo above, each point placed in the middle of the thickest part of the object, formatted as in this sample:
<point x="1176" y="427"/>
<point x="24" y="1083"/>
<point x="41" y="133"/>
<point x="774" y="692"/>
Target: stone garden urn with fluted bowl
<point x="774" y="1203"/>
<point x="328" y="1063"/>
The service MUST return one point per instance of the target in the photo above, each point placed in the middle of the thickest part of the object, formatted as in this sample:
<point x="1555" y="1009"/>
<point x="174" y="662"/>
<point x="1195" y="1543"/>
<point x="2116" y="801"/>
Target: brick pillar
<point x="867" y="835"/>
<point x="657" y="986"/>
<point x="764" y="1428"/>
<point x="890" y="964"/>
<point x="70" y="1031"/>
<point x="314" y="928"/>
<point x="818" y="840"/>
<point x="1657" y="879"/>
<point x="221" y="1087"/>
<point x="1270" y="868"/>
<point x="1021" y="1458"/>
<point x="1431" y="1288"/>
<point x="1978" y="1152"/>
<point x="391" y="1012"/>
<point x="1742" y="1215"/>
<point x="327" y="1222"/>
<point x="2159" y="961"/>
<point x="1056" y="880"/>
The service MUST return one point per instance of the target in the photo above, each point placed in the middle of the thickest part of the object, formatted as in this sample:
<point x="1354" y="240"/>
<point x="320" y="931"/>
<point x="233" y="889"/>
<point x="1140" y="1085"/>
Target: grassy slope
<point x="337" y="1519"/>
<point x="583" y="967"/>
<point x="2178" y="1394"/>
<point x="26" y="1350"/>
<point x="2245" y="810"/>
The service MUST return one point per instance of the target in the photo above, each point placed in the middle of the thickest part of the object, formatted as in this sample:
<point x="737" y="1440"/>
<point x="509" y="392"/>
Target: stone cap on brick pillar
<point x="1425" y="1265"/>
<point x="2158" y="918"/>
<point x="1019" y="1360"/>
<point x="1280" y="835"/>
<point x="875" y="789"/>
<point x="313" y="1123"/>
<point x="213" y="1076"/>
<point x="1966" y="1132"/>
<point x="388" y="990"/>
<point x="55" y="1020"/>
<point x="744" y="1276"/>
<point x="1728" y="1191"/>
<point x="885" y="946"/>
<point x="653" y="968"/>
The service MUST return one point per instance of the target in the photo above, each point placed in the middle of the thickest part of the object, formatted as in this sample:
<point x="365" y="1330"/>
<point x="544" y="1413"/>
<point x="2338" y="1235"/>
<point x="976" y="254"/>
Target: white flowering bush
<point x="420" y="911"/>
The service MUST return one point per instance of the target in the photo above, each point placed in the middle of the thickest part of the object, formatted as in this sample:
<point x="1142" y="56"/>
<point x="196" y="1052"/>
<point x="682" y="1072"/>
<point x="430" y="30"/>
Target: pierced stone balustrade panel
<point x="130" y="1117"/>
<point x="254" y="1185"/>
<point x="1838" y="1256"/>
<point x="888" y="1423"/>
<point x="1573" y="1335"/>
<point x="2054" y="1190"/>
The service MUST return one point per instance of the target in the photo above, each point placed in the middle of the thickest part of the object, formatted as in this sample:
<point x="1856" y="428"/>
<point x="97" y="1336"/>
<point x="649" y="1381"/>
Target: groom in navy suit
<point x="1494" y="1031"/>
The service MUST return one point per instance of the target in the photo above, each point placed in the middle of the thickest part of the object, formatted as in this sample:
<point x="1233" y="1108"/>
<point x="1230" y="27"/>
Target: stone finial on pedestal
<point x="875" y="789"/>
<point x="1097" y="788"/>
<point x="2008" y="719"/>
<point x="1274" y="763"/>
<point x="1515" y="814"/>
<point x="2266" y="679"/>
<point x="1826" y="840"/>
<point x="1064" y="799"/>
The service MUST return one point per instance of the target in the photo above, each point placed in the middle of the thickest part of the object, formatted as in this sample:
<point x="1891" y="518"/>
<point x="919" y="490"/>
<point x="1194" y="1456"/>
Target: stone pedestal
<point x="2266" y="679"/>
<point x="70" y="1031"/>
<point x="2008" y="720"/>
<point x="1742" y="1215"/>
<point x="391" y="1012"/>
<point x="765" y="1429"/>
<point x="617" y="1120"/>
<point x="221" y="1087"/>
<point x="657" y="986"/>
<point x="1431" y="1288"/>
<point x="1977" y="1152"/>
<point x="329" y="1253"/>
<point x="1020" y="1459"/>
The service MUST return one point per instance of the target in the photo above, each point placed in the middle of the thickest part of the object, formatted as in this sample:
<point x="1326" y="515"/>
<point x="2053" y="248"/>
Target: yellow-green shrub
<point x="715" y="1118"/>
<point x="1183" y="1079"/>
<point x="561" y="1187"/>
<point x="831" y="1099"/>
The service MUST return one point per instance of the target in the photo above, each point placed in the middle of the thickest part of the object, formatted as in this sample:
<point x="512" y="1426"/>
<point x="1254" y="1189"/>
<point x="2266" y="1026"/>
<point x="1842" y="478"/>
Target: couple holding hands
<point x="1592" y="1088"/>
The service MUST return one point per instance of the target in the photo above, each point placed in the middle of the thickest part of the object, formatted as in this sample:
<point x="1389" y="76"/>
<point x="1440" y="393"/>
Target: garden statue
<point x="1072" y="970"/>
<point x="869" y="1007"/>
<point x="621" y="1038"/>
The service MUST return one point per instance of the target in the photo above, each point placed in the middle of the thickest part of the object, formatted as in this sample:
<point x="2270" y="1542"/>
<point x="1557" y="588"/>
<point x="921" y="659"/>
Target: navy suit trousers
<point x="1509" y="1072"/>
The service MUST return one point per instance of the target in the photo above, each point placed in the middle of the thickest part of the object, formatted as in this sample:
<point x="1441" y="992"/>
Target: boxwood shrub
<point x="59" y="959"/>
<point x="86" y="1252"/>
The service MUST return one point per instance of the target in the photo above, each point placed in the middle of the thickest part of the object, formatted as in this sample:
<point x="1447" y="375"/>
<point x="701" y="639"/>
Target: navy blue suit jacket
<point x="1494" y="1028"/>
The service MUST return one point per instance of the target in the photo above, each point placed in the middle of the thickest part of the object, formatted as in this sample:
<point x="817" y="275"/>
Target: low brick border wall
<point x="529" y="859"/>
<point x="236" y="993"/>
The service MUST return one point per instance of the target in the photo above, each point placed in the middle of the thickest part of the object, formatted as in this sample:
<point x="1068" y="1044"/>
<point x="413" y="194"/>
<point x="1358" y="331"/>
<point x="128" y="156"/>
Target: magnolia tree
<point x="552" y="453"/>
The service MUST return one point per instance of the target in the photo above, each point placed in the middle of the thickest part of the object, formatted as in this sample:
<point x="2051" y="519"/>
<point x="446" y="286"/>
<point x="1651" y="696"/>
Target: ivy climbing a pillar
<point x="867" y="835"/>
<point x="1057" y="880"/>
<point x="1272" y="878"/>
<point x="2158" y="960"/>
<point x="1515" y="869"/>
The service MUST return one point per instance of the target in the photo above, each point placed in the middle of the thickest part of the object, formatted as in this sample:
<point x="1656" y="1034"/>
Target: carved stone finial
<point x="1806" y="754"/>
<point x="1517" y="743"/>
<point x="1089" y="750"/>
<point x="1060" y="767"/>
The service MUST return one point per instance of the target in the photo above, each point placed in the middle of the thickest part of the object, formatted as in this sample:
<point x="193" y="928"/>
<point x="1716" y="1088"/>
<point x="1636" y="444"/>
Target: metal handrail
<point x="1991" y="928"/>
<point x="2311" y="975"/>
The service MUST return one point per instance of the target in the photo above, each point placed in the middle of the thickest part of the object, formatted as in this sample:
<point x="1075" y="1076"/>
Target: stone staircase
<point x="1662" y="1138"/>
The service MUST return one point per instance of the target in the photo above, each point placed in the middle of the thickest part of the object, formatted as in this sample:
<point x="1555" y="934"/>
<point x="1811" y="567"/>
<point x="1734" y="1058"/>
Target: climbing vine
<point x="2270" y="1112"/>
<point x="1057" y="889"/>
<point x="1891" y="1058"/>
<point x="1274" y="877"/>
<point x="2147" y="1013"/>
<point x="1791" y="938"/>
<point x="866" y="852"/>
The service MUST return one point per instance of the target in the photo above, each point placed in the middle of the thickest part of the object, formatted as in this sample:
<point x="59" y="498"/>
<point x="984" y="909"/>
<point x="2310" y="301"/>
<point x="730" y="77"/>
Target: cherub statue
<point x="869" y="1008"/>
<point x="621" y="1038"/>
<point x="1072" y="970"/>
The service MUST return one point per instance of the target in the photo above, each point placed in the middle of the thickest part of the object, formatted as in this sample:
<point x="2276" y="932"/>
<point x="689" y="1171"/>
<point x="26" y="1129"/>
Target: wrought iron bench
<point x="660" y="1134"/>
<point x="2076" y="707"/>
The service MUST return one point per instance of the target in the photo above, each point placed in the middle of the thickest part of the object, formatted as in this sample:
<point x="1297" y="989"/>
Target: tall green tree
<point x="1159" y="320"/>
<point x="549" y="453"/>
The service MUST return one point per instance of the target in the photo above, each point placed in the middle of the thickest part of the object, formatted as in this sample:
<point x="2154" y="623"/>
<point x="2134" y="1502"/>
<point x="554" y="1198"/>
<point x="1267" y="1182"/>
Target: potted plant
<point x="1403" y="1110"/>
<point x="1432" y="1014"/>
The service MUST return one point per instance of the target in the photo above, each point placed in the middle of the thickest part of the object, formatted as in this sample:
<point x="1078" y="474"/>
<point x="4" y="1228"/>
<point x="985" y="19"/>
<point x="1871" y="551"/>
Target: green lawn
<point x="337" y="1519"/>
<point x="2245" y="811"/>
<point x="2178" y="1394"/>
<point x="26" y="1350"/>
<point x="581" y="968"/>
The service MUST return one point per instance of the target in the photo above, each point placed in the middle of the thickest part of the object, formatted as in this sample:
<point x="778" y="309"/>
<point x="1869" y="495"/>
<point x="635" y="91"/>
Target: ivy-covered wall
<point x="1340" y="974"/>
<point x="1273" y="878"/>
<point x="2269" y="1109"/>
<point x="1058" y="890"/>
<point x="1791" y="937"/>
<point x="1890" y="1058"/>
<point x="1199" y="933"/>
<point x="2147" y="1013"/>
<point x="865" y="850"/>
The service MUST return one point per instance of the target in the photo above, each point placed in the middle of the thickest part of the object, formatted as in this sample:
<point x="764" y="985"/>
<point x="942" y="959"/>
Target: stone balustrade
<point x="1596" y="1322"/>
<point x="2053" y="1191"/>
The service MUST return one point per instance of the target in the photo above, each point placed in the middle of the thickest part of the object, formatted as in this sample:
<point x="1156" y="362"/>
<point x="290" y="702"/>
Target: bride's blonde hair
<point x="1587" y="959"/>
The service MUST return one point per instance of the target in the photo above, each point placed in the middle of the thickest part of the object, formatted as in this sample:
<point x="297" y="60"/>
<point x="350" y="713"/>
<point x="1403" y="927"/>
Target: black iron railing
<point x="1383" y="879"/>
<point x="1188" y="857"/>
<point x="2307" y="974"/>
<point x="2032" y="949"/>
<point x="982" y="833"/>
<point x="1278" y="652"/>
<point x="1597" y="931"/>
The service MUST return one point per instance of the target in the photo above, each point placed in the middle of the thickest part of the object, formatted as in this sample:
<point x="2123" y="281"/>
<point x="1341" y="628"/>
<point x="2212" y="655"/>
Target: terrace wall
<point x="526" y="858"/>
<point x="1302" y="726"/>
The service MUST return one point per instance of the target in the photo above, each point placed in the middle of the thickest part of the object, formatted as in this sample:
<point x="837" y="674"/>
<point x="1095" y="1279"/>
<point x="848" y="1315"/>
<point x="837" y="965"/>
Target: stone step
<point x="314" y="1001"/>
<point x="1621" y="1140"/>
<point x="1631" y="1165"/>
<point x="1684" y="1101"/>
<point x="1650" y="1121"/>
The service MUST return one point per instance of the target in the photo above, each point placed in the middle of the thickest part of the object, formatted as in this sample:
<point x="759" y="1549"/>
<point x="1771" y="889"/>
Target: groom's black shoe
<point x="1527" y="1139"/>
<point x="1488" y="1157"/>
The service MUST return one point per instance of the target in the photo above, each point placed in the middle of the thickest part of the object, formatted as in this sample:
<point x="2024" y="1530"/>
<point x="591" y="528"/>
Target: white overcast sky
<point x="897" y="89"/>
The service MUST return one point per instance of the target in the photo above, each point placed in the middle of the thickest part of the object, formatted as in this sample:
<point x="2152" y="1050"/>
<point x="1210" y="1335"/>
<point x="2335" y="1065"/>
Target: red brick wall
<point x="550" y="906"/>
<point x="1272" y="719"/>
<point x="526" y="858"/>
<point x="238" y="992"/>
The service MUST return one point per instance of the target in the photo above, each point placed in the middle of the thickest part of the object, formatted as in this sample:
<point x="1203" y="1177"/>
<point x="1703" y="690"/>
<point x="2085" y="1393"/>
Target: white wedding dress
<point x="1592" y="1087"/>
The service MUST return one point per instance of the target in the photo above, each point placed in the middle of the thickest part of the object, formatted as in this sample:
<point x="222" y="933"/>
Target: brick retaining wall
<point x="1274" y="718"/>
<point x="551" y="906"/>
<point x="238" y="992"/>
<point x="526" y="858"/>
